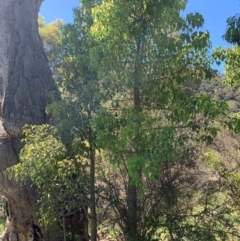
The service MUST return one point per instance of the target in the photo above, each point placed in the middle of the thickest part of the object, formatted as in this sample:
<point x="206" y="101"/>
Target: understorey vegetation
<point x="145" y="141"/>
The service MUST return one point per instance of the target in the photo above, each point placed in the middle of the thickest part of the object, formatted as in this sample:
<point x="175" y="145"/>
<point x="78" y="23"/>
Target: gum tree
<point x="26" y="88"/>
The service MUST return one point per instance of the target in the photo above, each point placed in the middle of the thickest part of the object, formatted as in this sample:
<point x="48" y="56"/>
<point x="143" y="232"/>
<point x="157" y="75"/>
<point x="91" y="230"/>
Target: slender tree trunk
<point x="93" y="216"/>
<point x="132" y="225"/>
<point x="26" y="88"/>
<point x="132" y="220"/>
<point x="63" y="224"/>
<point x="132" y="210"/>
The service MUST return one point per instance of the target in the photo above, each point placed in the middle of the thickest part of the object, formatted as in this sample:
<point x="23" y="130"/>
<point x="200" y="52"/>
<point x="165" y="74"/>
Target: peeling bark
<point x="26" y="88"/>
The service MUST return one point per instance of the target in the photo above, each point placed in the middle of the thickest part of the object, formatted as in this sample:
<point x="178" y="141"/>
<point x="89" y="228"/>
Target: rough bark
<point x="26" y="88"/>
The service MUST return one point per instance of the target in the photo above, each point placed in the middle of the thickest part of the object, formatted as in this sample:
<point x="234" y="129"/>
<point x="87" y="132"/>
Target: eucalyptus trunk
<point x="26" y="88"/>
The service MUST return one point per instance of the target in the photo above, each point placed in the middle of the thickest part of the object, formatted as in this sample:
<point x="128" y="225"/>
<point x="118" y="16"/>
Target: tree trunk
<point x="132" y="192"/>
<point x="132" y="232"/>
<point x="26" y="88"/>
<point x="93" y="216"/>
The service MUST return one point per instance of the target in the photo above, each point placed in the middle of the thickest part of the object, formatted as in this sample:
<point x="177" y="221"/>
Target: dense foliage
<point x="138" y="134"/>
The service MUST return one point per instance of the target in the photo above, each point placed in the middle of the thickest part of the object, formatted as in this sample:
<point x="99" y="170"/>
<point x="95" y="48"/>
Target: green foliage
<point x="230" y="56"/>
<point x="44" y="163"/>
<point x="232" y="34"/>
<point x="223" y="158"/>
<point x="46" y="139"/>
<point x="2" y="213"/>
<point x="82" y="90"/>
<point x="51" y="35"/>
<point x="129" y="73"/>
<point x="82" y="94"/>
<point x="159" y="53"/>
<point x="231" y="59"/>
<point x="151" y="55"/>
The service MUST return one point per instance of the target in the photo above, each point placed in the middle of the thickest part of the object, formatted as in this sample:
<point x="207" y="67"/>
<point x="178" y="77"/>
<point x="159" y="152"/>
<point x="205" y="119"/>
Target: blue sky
<point x="63" y="9"/>
<point x="215" y="13"/>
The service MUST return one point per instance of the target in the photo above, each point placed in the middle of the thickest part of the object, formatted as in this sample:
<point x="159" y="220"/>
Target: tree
<point x="26" y="88"/>
<point x="61" y="181"/>
<point x="232" y="34"/>
<point x="230" y="56"/>
<point x="82" y="94"/>
<point x="51" y="35"/>
<point x="129" y="90"/>
<point x="150" y="54"/>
